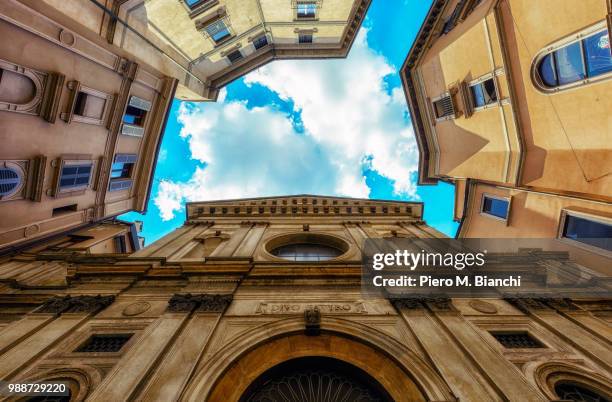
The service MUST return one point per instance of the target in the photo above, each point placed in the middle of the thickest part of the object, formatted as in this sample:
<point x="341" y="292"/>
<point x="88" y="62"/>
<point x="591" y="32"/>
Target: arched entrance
<point x="315" y="379"/>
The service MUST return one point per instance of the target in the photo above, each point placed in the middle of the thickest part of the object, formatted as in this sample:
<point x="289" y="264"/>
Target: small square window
<point x="517" y="340"/>
<point x="588" y="231"/>
<point x="260" y="42"/>
<point x="218" y="30"/>
<point x="234" y="56"/>
<point x="305" y="38"/>
<point x="307" y="10"/>
<point x="121" y="172"/>
<point x="104" y="343"/>
<point x="497" y="207"/>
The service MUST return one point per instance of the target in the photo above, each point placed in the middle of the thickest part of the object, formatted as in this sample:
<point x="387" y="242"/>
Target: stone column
<point x="41" y="329"/>
<point x="548" y="312"/>
<point x="251" y="240"/>
<point x="463" y="377"/>
<point x="502" y="374"/>
<point x="228" y="248"/>
<point x="174" y="371"/>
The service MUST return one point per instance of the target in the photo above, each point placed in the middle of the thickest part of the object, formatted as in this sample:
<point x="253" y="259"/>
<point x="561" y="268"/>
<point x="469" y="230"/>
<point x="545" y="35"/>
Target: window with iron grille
<point x="104" y="343"/>
<point x="443" y="107"/>
<point x="234" y="56"/>
<point x="305" y="38"/>
<point x="260" y="42"/>
<point x="75" y="176"/>
<point x="517" y="340"/>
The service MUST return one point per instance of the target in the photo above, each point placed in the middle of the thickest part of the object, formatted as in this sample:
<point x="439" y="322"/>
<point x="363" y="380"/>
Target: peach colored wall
<point x="532" y="215"/>
<point x="569" y="131"/>
<point x="485" y="145"/>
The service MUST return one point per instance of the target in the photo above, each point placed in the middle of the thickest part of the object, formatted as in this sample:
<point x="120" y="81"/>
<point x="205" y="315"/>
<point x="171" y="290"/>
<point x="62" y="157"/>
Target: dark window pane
<point x="488" y="89"/>
<point x="68" y="170"/>
<point x="234" y="56"/>
<point x="496" y="207"/>
<point x="570" y="67"/>
<point x="547" y="71"/>
<point x="260" y="42"/>
<point x="305" y="38"/>
<point x="477" y="95"/>
<point x="587" y="231"/>
<point x="306" y="10"/>
<point x="134" y="116"/>
<point x="306" y="252"/>
<point x="598" y="56"/>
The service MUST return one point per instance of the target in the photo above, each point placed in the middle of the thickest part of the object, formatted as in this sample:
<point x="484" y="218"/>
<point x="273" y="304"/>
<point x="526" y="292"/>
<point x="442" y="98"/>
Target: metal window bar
<point x="102" y="343"/>
<point x="517" y="340"/>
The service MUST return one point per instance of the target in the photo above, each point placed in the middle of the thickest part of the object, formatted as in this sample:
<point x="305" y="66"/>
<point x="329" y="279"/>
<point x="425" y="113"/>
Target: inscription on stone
<point x="324" y="308"/>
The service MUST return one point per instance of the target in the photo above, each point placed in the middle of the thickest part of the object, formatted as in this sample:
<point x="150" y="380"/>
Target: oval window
<point x="576" y="61"/>
<point x="307" y="247"/>
<point x="9" y="181"/>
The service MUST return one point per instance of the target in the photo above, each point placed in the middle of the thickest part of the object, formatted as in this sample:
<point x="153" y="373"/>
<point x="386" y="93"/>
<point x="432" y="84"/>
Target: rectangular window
<point x="75" y="175"/>
<point x="90" y="106"/>
<point x="483" y="93"/>
<point x="104" y="343"/>
<point x="517" y="340"/>
<point x="134" y="116"/>
<point x="64" y="210"/>
<point x="194" y="3"/>
<point x="218" y="30"/>
<point x="444" y="107"/>
<point x="260" y="42"/>
<point x="121" y="172"/>
<point x="120" y="244"/>
<point x="234" y="56"/>
<point x="305" y="38"/>
<point x="588" y="231"/>
<point x="497" y="207"/>
<point x="306" y="10"/>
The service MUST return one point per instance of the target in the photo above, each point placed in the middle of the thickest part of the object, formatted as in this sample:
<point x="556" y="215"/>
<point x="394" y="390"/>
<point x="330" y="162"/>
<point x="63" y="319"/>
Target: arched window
<point x="11" y="178"/>
<point x="572" y="391"/>
<point x="16" y="88"/>
<point x="577" y="61"/>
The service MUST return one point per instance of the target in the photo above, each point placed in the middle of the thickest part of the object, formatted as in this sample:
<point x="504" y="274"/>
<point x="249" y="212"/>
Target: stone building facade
<point x="86" y="87"/>
<point x="254" y="298"/>
<point x="508" y="103"/>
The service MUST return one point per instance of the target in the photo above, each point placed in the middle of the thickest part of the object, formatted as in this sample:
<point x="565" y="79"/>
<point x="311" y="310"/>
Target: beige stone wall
<point x="190" y="347"/>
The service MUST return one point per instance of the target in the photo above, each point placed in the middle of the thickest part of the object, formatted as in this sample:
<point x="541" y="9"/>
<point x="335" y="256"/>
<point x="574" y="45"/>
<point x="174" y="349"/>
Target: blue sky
<point x="329" y="127"/>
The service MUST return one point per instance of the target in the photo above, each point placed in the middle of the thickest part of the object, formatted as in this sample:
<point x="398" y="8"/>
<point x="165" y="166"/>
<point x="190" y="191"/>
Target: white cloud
<point x="350" y="122"/>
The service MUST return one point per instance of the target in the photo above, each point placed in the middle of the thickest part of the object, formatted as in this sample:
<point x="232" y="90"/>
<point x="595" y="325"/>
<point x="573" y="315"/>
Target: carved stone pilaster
<point x="439" y="304"/>
<point x="312" y="321"/>
<point x="208" y="303"/>
<point x="76" y="304"/>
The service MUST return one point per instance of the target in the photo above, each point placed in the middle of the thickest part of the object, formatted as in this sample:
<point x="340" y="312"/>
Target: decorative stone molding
<point x="75" y="304"/>
<point x="531" y="304"/>
<point x="483" y="306"/>
<point x="312" y="321"/>
<point x="436" y="304"/>
<point x="207" y="303"/>
<point x="136" y="309"/>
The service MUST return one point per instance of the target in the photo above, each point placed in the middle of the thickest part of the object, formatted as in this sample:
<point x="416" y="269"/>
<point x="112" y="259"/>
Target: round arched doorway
<point x="315" y="379"/>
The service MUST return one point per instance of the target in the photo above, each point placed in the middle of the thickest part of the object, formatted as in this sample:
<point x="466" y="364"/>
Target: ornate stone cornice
<point x="533" y="304"/>
<point x="208" y="303"/>
<point x="75" y="304"/>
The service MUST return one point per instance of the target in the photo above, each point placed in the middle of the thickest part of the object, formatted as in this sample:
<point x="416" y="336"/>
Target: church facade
<point x="260" y="300"/>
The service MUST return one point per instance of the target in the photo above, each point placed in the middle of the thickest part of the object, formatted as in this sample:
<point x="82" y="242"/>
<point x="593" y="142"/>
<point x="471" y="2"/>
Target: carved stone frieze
<point x="75" y="304"/>
<point x="209" y="303"/>
<point x="312" y="321"/>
